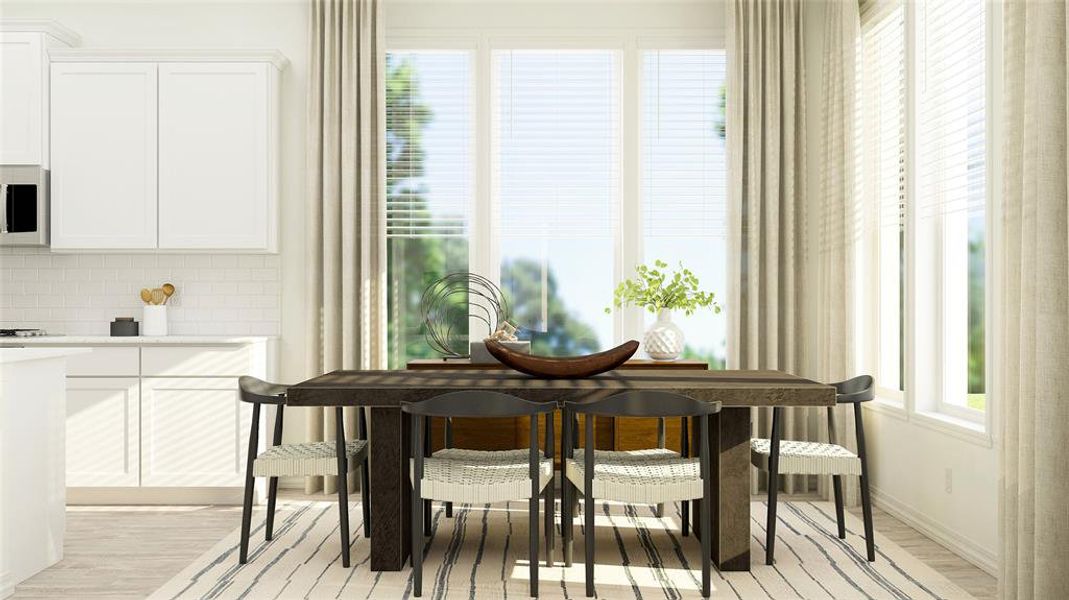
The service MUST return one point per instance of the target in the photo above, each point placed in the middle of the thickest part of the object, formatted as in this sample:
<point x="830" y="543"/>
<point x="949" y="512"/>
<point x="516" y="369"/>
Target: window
<point x="923" y="182"/>
<point x="428" y="185"/>
<point x="881" y="181"/>
<point x="683" y="187"/>
<point x="556" y="188"/>
<point x="951" y="128"/>
<point x="506" y="158"/>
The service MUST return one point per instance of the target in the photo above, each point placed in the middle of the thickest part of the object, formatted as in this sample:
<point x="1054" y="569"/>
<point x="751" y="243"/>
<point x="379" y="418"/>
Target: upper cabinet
<point x="104" y="155"/>
<point x="165" y="152"/>
<point x="218" y="179"/>
<point x="24" y="46"/>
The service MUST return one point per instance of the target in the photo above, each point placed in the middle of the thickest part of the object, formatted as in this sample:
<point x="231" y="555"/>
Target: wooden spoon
<point x="168" y="291"/>
<point x="146" y="295"/>
<point x="158" y="296"/>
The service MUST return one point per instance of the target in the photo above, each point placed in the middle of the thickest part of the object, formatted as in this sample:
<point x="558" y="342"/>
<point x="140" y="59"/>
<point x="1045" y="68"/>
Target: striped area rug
<point x="481" y="553"/>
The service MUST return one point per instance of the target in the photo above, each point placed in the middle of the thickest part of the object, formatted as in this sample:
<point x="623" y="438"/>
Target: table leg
<point x="390" y="489"/>
<point x="730" y="447"/>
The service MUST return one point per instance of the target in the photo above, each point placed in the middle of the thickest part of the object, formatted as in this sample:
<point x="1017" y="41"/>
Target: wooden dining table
<point x="383" y="392"/>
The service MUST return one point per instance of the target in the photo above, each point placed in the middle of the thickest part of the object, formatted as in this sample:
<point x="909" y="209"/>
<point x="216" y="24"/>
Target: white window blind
<point x="683" y="168"/>
<point x="951" y="112"/>
<point x="428" y="126"/>
<point x="556" y="129"/>
<point x="881" y="178"/>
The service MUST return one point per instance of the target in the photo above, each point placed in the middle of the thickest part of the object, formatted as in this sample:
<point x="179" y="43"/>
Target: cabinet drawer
<point x="197" y="361"/>
<point x="105" y="362"/>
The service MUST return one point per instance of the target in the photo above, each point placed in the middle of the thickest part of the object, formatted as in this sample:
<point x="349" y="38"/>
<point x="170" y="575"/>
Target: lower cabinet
<point x="194" y="432"/>
<point x="103" y="431"/>
<point x="161" y="424"/>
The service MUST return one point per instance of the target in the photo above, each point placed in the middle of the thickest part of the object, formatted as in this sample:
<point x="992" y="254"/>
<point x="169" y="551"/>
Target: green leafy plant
<point x="655" y="288"/>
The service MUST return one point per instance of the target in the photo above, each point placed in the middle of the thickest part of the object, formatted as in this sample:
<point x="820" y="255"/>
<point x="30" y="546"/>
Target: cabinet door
<point x="194" y="432"/>
<point x="22" y="95"/>
<point x="103" y="155"/>
<point x="216" y="156"/>
<point x="102" y="432"/>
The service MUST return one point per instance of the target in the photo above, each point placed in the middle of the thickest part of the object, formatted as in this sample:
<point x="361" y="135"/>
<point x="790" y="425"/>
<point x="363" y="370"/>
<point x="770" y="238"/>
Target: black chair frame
<point x="476" y="404"/>
<point x="852" y="391"/>
<point x="631" y="404"/>
<point x="258" y="393"/>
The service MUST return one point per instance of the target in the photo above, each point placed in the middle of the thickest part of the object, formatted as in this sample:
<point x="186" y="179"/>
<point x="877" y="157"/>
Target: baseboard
<point x="159" y="495"/>
<point x="981" y="557"/>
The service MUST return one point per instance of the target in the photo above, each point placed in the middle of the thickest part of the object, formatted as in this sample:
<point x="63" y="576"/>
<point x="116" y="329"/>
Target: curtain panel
<point x="766" y="139"/>
<point x="1032" y="279"/>
<point x="346" y="252"/>
<point x="838" y="222"/>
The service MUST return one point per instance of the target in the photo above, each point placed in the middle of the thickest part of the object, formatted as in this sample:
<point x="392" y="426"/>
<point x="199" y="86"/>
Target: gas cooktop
<point x="22" y="332"/>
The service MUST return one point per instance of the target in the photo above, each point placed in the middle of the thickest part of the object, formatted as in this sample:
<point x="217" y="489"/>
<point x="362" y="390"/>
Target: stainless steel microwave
<point x="24" y="218"/>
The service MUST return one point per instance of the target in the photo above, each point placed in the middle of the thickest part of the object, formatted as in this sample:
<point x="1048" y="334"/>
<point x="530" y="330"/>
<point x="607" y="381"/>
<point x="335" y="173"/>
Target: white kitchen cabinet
<point x="103" y="431"/>
<point x="24" y="90"/>
<point x="194" y="432"/>
<point x="103" y="155"/>
<point x="176" y="150"/>
<point x="160" y="422"/>
<point x="218" y="172"/>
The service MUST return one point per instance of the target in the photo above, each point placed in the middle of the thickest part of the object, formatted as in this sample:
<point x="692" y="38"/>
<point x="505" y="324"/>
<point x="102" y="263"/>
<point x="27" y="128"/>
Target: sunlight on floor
<point x="613" y="575"/>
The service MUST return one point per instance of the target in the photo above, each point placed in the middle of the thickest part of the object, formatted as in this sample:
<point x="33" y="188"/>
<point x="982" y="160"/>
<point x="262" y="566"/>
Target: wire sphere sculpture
<point x="449" y="302"/>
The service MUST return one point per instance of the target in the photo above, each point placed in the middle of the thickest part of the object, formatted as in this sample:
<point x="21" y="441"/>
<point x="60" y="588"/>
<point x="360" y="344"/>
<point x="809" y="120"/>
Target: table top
<point x="391" y="388"/>
<point x="446" y="364"/>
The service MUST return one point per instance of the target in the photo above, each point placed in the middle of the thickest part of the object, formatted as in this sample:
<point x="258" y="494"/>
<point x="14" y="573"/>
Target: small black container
<point x="124" y="327"/>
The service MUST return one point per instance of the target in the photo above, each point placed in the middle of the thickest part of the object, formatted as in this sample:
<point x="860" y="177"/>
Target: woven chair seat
<point x="806" y="458"/>
<point x="520" y="455"/>
<point x="312" y="458"/>
<point x="639" y="477"/>
<point x="481" y="479"/>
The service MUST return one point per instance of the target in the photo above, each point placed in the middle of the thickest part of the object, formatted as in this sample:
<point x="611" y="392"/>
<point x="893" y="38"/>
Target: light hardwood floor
<point x="121" y="552"/>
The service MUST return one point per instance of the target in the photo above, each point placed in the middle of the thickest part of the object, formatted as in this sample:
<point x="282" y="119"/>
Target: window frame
<point x="629" y="43"/>
<point x="924" y="402"/>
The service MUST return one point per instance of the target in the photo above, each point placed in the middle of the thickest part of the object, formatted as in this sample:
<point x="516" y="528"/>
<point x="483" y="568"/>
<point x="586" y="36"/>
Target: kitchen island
<point x="32" y="486"/>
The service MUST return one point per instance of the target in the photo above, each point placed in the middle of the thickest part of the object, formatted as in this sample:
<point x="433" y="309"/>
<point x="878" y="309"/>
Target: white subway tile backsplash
<point x="79" y="294"/>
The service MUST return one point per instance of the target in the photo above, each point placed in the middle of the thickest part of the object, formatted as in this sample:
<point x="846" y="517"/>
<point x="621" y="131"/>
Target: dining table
<point x="383" y="392"/>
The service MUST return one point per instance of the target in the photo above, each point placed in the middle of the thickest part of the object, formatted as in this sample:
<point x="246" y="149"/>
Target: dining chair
<point x="786" y="457"/>
<point x="449" y="451"/>
<point x="338" y="458"/>
<point x="481" y="476"/>
<point x="652" y="476"/>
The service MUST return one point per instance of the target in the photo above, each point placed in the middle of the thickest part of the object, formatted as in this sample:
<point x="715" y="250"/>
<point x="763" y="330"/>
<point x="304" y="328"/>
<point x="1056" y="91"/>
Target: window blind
<point x="951" y="114"/>
<point x="428" y="132"/>
<point x="683" y="160"/>
<point x="556" y="138"/>
<point x="881" y="107"/>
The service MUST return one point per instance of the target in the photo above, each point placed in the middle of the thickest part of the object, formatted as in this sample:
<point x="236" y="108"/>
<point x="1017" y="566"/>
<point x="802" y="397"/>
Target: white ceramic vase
<point x="664" y="339"/>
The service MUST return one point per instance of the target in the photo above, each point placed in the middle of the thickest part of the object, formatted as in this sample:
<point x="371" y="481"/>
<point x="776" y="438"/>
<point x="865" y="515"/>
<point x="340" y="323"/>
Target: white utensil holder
<point x="154" y="322"/>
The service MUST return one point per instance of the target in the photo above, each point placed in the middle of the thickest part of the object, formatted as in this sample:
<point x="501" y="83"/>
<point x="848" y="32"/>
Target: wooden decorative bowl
<point x="570" y="367"/>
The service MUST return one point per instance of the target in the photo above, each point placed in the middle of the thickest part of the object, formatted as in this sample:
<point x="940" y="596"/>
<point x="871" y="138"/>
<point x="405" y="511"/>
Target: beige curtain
<point x="766" y="138"/>
<point x="346" y="283"/>
<point x="838" y="221"/>
<point x="1032" y="280"/>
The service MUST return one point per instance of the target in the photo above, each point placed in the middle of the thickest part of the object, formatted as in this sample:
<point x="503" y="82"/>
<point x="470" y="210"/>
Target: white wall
<point x="79" y="294"/>
<point x="911" y="456"/>
<point x="276" y="24"/>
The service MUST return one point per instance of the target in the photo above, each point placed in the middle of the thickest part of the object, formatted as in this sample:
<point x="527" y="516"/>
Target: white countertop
<point x="105" y="340"/>
<point x="11" y="355"/>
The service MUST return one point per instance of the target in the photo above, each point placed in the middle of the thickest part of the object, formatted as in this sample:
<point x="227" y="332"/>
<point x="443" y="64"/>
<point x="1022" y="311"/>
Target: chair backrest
<point x="645" y="403"/>
<point x="859" y="389"/>
<point x="258" y="391"/>
<point x="477" y="403"/>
